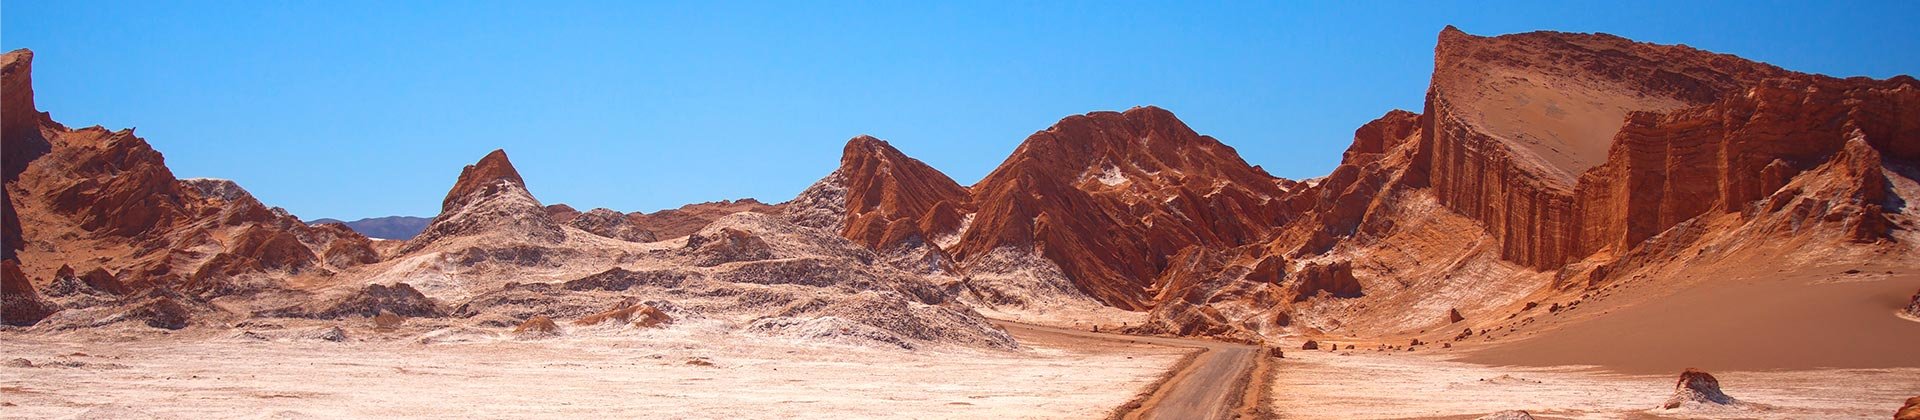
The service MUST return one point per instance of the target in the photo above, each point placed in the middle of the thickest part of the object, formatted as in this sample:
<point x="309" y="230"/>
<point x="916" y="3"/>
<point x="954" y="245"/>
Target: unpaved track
<point x="1210" y="385"/>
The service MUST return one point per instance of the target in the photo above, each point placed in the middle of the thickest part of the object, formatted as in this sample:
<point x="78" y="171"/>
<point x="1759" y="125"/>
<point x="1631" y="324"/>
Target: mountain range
<point x="1552" y="183"/>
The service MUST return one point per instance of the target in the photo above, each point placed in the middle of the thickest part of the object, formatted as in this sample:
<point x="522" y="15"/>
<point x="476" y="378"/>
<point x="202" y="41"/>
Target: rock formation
<point x="1697" y="387"/>
<point x="683" y="221"/>
<point x="490" y="199"/>
<point x="1911" y="411"/>
<point x="19" y="304"/>
<point x="110" y="194"/>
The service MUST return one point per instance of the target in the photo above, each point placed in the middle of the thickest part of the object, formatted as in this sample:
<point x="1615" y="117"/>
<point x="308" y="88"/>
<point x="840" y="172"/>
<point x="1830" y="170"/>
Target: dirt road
<point x="1215" y="382"/>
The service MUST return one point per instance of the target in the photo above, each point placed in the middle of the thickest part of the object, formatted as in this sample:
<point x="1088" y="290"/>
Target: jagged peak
<point x="865" y="146"/>
<point x="480" y="175"/>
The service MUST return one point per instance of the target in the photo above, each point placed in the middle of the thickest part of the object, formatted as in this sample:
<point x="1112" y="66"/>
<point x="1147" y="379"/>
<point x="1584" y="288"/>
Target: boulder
<point x="1697" y="387"/>
<point x="1310" y="345"/>
<point x="1911" y="411"/>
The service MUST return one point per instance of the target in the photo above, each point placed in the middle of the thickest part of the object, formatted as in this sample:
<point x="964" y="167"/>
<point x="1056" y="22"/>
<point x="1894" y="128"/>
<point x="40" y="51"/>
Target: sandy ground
<point x="1743" y="315"/>
<point x="1211" y="384"/>
<point x="615" y="373"/>
<point x="1373" y="385"/>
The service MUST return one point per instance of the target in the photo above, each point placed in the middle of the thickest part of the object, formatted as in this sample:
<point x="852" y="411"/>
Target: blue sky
<point x="356" y="109"/>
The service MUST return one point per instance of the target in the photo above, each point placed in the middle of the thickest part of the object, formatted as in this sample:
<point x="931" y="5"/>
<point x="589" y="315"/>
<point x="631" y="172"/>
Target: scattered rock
<point x="1310" y="345"/>
<point x="1276" y="352"/>
<point x="334" y="334"/>
<point x="1453" y="315"/>
<point x="699" y="361"/>
<point x="1696" y="386"/>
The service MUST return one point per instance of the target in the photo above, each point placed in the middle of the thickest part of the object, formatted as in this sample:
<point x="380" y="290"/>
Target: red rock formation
<point x="683" y="221"/>
<point x="489" y="199"/>
<point x="561" y="213"/>
<point x="108" y="195"/>
<point x="1511" y="121"/>
<point x="1698" y="387"/>
<point x="893" y="198"/>
<point x="483" y="177"/>
<point x="1110" y="197"/>
<point x="1910" y="411"/>
<point x="1333" y="279"/>
<point x="1667" y="168"/>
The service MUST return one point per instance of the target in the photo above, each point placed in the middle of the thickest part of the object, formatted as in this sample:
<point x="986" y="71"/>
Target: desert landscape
<point x="1574" y="226"/>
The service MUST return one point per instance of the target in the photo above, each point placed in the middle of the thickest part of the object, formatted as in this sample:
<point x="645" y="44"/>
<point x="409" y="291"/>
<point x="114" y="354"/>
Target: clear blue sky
<point x="355" y="109"/>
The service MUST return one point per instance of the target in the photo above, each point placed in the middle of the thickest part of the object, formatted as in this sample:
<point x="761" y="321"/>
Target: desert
<point x="1570" y="226"/>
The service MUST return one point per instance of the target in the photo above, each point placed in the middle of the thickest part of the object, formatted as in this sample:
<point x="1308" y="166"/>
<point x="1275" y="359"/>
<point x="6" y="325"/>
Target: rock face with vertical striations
<point x="1512" y="122"/>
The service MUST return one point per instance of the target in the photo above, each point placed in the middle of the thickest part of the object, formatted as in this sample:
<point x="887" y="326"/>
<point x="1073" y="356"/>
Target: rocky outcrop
<point x="1911" y="411"/>
<point x="538" y="326"/>
<point x="95" y="282"/>
<point x="109" y="194"/>
<point x="490" y="199"/>
<point x="687" y="219"/>
<point x="1110" y="196"/>
<point x="892" y="198"/>
<point x="1511" y="122"/>
<point x="610" y="224"/>
<point x="20" y="305"/>
<point x="1697" y="387"/>
<point x="1667" y="168"/>
<point x="641" y="315"/>
<point x="1331" y="279"/>
<point x="373" y="300"/>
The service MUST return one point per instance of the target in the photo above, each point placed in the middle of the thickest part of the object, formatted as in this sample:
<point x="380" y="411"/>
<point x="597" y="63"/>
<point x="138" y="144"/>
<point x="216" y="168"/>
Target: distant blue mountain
<point x="390" y="227"/>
